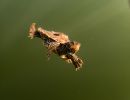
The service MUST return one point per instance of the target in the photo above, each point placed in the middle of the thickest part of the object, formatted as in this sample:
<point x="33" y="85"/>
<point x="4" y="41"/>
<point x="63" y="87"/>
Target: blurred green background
<point x="101" y="26"/>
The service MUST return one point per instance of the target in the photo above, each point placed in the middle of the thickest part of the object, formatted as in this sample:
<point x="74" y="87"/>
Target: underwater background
<point x="101" y="26"/>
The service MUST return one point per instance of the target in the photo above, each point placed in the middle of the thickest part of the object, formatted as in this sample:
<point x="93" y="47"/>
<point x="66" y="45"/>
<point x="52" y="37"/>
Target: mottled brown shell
<point x="56" y="36"/>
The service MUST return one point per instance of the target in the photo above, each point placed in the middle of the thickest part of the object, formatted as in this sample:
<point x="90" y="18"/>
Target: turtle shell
<point x="56" y="36"/>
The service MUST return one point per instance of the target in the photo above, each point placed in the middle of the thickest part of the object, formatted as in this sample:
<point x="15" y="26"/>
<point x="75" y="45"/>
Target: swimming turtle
<point x="59" y="43"/>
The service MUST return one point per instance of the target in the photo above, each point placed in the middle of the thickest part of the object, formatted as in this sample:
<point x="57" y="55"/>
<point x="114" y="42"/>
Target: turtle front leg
<point x="66" y="59"/>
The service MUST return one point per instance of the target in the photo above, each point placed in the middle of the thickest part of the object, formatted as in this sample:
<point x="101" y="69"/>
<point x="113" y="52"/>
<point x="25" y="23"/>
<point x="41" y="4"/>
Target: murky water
<point x="102" y="27"/>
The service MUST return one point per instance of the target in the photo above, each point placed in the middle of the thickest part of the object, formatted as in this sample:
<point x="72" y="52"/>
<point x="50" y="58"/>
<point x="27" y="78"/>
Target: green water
<point x="101" y="26"/>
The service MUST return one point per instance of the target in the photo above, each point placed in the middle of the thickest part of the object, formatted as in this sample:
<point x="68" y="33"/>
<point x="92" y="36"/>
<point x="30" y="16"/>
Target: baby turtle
<point x="58" y="43"/>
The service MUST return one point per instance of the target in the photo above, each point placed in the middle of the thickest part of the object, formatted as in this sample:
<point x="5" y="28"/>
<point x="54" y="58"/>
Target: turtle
<point x="58" y="43"/>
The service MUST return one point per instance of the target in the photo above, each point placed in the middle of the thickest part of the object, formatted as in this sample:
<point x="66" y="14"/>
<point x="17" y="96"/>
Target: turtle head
<point x="74" y="46"/>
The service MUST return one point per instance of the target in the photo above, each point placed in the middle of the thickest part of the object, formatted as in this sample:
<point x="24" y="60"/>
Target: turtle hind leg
<point x="51" y="47"/>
